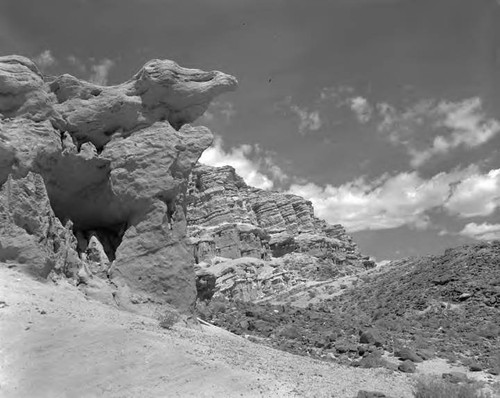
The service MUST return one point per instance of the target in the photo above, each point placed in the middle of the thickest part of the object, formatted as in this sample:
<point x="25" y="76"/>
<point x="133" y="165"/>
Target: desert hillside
<point x="57" y="343"/>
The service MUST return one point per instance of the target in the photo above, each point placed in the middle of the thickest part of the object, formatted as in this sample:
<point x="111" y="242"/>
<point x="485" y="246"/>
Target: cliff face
<point x="229" y="220"/>
<point x="109" y="163"/>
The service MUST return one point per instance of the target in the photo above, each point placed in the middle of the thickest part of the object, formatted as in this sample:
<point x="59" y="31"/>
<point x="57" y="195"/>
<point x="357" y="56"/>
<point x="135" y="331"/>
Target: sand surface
<point x="56" y="343"/>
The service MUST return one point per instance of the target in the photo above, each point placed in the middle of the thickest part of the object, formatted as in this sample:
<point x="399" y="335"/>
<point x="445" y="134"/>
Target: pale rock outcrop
<point x="161" y="90"/>
<point x="23" y="91"/>
<point x="114" y="161"/>
<point x="246" y="278"/>
<point x="30" y="233"/>
<point x="231" y="240"/>
<point x="26" y="146"/>
<point x="93" y="253"/>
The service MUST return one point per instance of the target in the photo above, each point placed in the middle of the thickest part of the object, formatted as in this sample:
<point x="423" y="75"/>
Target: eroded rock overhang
<point x="115" y="159"/>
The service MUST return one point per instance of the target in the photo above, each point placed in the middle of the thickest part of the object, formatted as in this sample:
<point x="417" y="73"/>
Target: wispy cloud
<point x="100" y="71"/>
<point x="95" y="71"/>
<point x="338" y="94"/>
<point x="344" y="97"/>
<point x="309" y="120"/>
<point x="222" y="111"/>
<point x="317" y="115"/>
<point x="403" y="199"/>
<point x="253" y="164"/>
<point x="431" y="128"/>
<point x="482" y="231"/>
<point x="77" y="63"/>
<point x="426" y="129"/>
<point x="45" y="60"/>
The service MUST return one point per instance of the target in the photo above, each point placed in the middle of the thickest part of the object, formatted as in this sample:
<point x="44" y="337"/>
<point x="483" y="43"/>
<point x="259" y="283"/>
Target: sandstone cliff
<point x="257" y="242"/>
<point x="108" y="165"/>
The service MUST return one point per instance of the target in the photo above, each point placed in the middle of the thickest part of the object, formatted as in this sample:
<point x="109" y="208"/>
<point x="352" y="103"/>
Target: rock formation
<point x="104" y="171"/>
<point x="229" y="220"/>
<point x="113" y="162"/>
<point x="30" y="233"/>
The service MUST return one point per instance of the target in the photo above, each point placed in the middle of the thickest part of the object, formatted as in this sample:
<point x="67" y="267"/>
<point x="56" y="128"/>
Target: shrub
<point x="218" y="307"/>
<point x="494" y="359"/>
<point x="169" y="319"/>
<point x="203" y="310"/>
<point x="441" y="389"/>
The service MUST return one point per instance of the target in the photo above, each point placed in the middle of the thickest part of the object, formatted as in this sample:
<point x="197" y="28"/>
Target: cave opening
<point x="109" y="236"/>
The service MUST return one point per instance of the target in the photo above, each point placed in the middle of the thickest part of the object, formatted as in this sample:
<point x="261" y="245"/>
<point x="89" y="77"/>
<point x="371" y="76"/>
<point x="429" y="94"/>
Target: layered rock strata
<point x="229" y="220"/>
<point x="113" y="162"/>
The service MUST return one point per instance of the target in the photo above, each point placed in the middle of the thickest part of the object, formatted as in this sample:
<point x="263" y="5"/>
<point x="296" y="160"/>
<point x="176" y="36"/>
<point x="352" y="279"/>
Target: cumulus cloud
<point x="476" y="195"/>
<point x="430" y="128"/>
<point x="361" y="108"/>
<point x="403" y="199"/>
<point x="45" y="60"/>
<point x="482" y="231"/>
<point x="308" y="120"/>
<point x="247" y="166"/>
<point x="100" y="71"/>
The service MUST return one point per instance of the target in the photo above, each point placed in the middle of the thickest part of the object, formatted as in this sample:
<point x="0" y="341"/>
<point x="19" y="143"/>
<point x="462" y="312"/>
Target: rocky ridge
<point x="93" y="178"/>
<point x="251" y="244"/>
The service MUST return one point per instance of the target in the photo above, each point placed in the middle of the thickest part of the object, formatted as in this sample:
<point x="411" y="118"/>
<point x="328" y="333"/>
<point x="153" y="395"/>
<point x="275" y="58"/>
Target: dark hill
<point x="448" y="304"/>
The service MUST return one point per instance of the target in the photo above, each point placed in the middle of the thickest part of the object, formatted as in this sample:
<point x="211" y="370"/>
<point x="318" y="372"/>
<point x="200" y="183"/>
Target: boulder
<point x="475" y="367"/>
<point x="426" y="353"/>
<point x="406" y="353"/>
<point x="407" y="366"/>
<point x="371" y="336"/>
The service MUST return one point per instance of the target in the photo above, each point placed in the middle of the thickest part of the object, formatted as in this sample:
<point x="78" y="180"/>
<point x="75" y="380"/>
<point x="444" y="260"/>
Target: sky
<point x="385" y="114"/>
